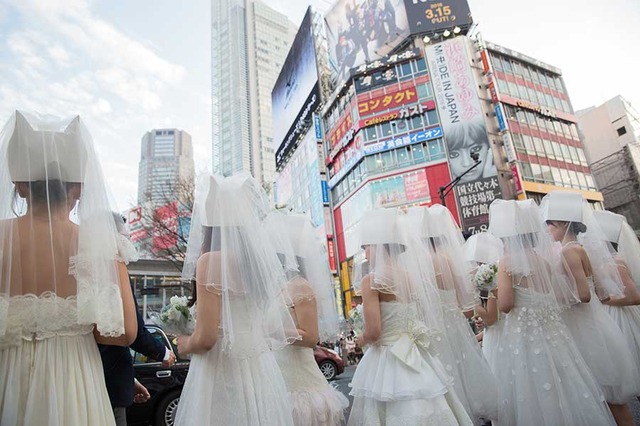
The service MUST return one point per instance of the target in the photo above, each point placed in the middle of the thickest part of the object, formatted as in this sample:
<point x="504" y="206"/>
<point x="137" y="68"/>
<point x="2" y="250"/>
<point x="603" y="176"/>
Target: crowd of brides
<point x="561" y="344"/>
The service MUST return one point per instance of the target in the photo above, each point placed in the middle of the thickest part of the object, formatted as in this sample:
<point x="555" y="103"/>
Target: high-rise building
<point x="166" y="158"/>
<point x="611" y="134"/>
<point x="249" y="42"/>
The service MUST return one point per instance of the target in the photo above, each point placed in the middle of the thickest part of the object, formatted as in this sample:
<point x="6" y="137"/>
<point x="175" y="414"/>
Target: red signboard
<point x="332" y="255"/>
<point x="416" y="185"/>
<point x="165" y="227"/>
<point x="341" y="129"/>
<point x="485" y="61"/>
<point x="388" y="101"/>
<point x="516" y="178"/>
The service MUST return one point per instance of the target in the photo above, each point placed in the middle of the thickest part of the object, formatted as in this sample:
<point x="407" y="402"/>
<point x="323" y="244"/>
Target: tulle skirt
<point x="223" y="390"/>
<point x="462" y="358"/>
<point x="542" y="379"/>
<point x="388" y="392"/>
<point x="604" y="349"/>
<point x="628" y="319"/>
<point x="314" y="401"/>
<point x="56" y="381"/>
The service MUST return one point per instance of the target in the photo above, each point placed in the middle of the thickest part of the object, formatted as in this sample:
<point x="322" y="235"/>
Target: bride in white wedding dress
<point x="60" y="281"/>
<point x="542" y="377"/>
<point x="310" y="287"/>
<point x="400" y="380"/>
<point x="242" y="316"/>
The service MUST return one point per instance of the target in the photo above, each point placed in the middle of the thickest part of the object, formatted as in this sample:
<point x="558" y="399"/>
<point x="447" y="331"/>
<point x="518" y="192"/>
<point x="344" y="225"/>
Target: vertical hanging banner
<point x="465" y="132"/>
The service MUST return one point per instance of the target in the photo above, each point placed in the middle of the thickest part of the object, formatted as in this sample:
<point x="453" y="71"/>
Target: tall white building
<point x="249" y="43"/>
<point x="166" y="158"/>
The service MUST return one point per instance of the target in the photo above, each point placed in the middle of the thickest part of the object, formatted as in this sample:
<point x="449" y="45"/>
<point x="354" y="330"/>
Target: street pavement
<point x="343" y="380"/>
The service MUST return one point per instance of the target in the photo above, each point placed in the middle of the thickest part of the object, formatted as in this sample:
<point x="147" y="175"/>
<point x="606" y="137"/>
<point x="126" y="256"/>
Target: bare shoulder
<point x="573" y="251"/>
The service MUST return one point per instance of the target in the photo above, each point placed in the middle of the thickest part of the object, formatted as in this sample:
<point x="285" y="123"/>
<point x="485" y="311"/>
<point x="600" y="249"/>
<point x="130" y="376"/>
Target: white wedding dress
<point x="243" y="388"/>
<point x="628" y="320"/>
<point x="50" y="368"/>
<point x="462" y="358"/>
<point x="604" y="349"/>
<point x="542" y="379"/>
<point x="314" y="401"/>
<point x="400" y="381"/>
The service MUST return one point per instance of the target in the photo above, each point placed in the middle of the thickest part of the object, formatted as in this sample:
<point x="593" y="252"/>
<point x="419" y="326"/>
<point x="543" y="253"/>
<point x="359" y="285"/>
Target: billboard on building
<point x="165" y="227"/>
<point x="295" y="96"/>
<point x="426" y="16"/>
<point x="464" y="130"/>
<point x="361" y="31"/>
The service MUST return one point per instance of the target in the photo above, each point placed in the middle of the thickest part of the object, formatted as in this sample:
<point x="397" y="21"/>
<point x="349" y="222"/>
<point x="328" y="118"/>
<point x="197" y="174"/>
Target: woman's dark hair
<point x="574" y="227"/>
<point x="54" y="192"/>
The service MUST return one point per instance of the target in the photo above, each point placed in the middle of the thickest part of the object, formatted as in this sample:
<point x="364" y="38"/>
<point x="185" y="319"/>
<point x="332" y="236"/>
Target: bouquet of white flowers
<point x="485" y="277"/>
<point x="356" y="319"/>
<point x="176" y="317"/>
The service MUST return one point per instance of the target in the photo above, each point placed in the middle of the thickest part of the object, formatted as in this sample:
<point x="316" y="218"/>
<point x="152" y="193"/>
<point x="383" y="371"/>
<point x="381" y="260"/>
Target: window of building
<point x="546" y="173"/>
<point x="416" y="122"/>
<point x="581" y="156"/>
<point x="371" y="163"/>
<point x="436" y="149"/>
<point x="406" y="69"/>
<point x="528" y="144"/>
<point x="582" y="180"/>
<point x="557" y="176"/>
<point x="507" y="66"/>
<point x="590" y="183"/>
<point x="621" y="131"/>
<point x="539" y="147"/>
<point x="385" y="129"/>
<point x="370" y="133"/>
<point x="432" y="117"/>
<point x="565" y="153"/>
<point x="421" y="89"/>
<point x="525" y="169"/>
<point x="387" y="159"/>
<point x="404" y="157"/>
<point x="548" y="148"/>
<point x="420" y="65"/>
<point x="418" y="153"/>
<point x="517" y="141"/>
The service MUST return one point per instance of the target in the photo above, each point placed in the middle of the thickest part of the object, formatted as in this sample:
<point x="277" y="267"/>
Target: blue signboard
<point x="318" y="126"/>
<point x="502" y="125"/>
<point x="410" y="139"/>
<point x="325" y="192"/>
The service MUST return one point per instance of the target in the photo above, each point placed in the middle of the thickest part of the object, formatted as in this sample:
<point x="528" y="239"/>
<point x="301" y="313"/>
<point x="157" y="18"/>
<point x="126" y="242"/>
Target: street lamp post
<point x="446" y="189"/>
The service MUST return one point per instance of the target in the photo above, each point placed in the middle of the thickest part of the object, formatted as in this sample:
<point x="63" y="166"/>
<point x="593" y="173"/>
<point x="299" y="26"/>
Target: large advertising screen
<point x="432" y="15"/>
<point x="360" y="31"/>
<point x="296" y="84"/>
<point x="464" y="130"/>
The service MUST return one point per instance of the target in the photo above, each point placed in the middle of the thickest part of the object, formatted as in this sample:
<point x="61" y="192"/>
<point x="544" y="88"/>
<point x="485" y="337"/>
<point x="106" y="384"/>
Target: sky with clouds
<point x="130" y="66"/>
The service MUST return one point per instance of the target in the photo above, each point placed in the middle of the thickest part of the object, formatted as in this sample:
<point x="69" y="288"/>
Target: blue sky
<point x="130" y="66"/>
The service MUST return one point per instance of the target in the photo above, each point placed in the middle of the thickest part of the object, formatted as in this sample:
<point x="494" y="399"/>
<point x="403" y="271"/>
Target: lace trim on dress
<point x="98" y="303"/>
<point x="31" y="317"/>
<point x="127" y="252"/>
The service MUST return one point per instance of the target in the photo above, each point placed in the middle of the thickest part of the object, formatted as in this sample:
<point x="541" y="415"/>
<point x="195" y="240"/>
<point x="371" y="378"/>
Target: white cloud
<point x="59" y="55"/>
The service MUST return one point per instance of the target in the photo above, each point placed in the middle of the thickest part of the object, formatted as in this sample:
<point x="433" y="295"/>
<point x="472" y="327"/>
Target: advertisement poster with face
<point x="465" y="132"/>
<point x="361" y="31"/>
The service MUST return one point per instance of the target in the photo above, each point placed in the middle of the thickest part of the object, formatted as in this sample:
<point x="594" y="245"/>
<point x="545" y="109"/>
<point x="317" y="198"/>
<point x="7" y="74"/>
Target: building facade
<point x="538" y="129"/>
<point x="166" y="157"/>
<point x="249" y="42"/>
<point x="611" y="134"/>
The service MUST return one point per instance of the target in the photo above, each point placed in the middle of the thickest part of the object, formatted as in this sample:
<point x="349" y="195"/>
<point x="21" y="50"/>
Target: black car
<point x="164" y="385"/>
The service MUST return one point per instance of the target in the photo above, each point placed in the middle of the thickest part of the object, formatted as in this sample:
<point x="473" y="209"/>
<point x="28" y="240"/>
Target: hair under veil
<point x="229" y="239"/>
<point x="530" y="256"/>
<point x="393" y="267"/>
<point x="57" y="233"/>
<point x="443" y="244"/>
<point x="571" y="207"/>
<point x="313" y="267"/>
<point x="617" y="231"/>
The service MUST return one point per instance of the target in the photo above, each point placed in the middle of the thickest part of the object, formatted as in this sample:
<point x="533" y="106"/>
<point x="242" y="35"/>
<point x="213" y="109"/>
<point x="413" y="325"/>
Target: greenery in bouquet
<point x="485" y="277"/>
<point x="175" y="318"/>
